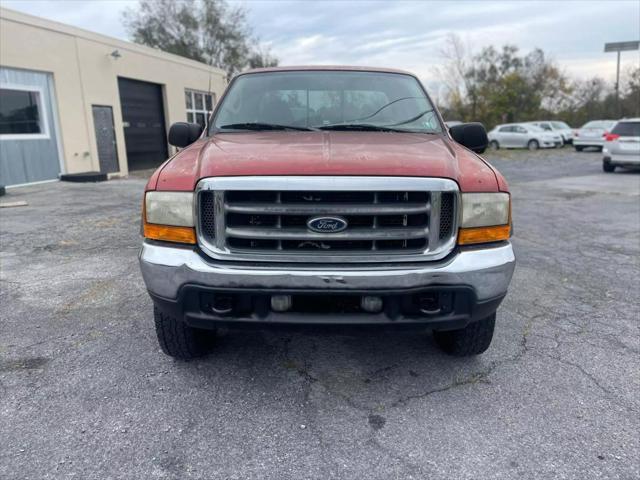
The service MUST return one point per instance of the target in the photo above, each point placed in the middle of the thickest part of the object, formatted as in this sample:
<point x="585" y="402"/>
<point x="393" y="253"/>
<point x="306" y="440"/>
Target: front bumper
<point x="481" y="274"/>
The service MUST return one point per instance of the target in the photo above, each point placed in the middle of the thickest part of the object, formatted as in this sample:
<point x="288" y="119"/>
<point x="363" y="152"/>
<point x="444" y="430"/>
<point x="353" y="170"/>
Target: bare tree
<point x="498" y="85"/>
<point x="454" y="74"/>
<point x="208" y="31"/>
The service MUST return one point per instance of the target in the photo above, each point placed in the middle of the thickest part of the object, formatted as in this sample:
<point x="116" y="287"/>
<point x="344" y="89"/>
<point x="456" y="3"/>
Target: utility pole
<point x="620" y="47"/>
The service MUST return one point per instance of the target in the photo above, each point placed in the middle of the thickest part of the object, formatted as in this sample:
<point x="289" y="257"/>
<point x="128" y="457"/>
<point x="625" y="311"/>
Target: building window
<point x="21" y="114"/>
<point x="199" y="106"/>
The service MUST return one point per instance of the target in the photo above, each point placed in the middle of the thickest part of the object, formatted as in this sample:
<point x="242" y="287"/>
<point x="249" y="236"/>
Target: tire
<point x="533" y="145"/>
<point x="578" y="148"/>
<point x="607" y="167"/>
<point x="179" y="340"/>
<point x="494" y="145"/>
<point x="473" y="339"/>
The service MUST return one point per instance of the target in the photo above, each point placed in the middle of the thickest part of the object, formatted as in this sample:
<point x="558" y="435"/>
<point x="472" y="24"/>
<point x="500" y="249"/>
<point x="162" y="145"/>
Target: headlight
<point x="485" y="218"/>
<point x="485" y="209"/>
<point x="170" y="208"/>
<point x="168" y="216"/>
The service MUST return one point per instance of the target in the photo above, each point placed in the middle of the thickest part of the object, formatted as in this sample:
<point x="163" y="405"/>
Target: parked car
<point x="592" y="134"/>
<point x="555" y="126"/>
<point x="452" y="123"/>
<point x="622" y="146"/>
<point x="360" y="211"/>
<point x="522" y="135"/>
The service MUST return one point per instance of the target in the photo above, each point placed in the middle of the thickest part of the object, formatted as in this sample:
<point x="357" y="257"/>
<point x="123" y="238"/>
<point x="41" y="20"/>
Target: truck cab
<point x="326" y="196"/>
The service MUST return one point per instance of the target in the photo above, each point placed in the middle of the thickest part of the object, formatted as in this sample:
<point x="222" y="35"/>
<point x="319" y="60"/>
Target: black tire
<point x="578" y="148"/>
<point x="473" y="339"/>
<point x="494" y="145"/>
<point x="179" y="340"/>
<point x="533" y="145"/>
<point x="607" y="167"/>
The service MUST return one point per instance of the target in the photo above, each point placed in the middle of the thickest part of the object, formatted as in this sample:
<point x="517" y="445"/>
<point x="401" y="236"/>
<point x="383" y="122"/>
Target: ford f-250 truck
<point x="323" y="196"/>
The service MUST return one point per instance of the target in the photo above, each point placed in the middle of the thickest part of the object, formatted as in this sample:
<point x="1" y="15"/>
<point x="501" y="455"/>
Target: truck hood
<point x="326" y="153"/>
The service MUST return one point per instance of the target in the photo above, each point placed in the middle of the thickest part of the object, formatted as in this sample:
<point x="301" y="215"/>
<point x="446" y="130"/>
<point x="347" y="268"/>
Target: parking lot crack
<point x="480" y="377"/>
<point x="609" y="394"/>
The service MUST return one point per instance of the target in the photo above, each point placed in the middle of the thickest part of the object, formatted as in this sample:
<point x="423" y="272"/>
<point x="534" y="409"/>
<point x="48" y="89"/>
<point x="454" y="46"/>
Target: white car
<point x="592" y="134"/>
<point x="622" y="145"/>
<point x="522" y="135"/>
<point x="555" y="126"/>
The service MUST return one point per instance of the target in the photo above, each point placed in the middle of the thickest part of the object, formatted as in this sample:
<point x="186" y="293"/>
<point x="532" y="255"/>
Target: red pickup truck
<point x="326" y="196"/>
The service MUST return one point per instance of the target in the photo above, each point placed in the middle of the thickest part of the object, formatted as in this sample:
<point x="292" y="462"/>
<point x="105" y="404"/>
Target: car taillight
<point x="610" y="137"/>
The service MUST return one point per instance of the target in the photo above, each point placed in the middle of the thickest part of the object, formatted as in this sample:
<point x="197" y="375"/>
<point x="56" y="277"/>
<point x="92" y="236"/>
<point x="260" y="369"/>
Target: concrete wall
<point x="84" y="74"/>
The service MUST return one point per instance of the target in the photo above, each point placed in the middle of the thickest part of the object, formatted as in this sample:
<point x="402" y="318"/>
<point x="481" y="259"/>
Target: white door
<point x="520" y="136"/>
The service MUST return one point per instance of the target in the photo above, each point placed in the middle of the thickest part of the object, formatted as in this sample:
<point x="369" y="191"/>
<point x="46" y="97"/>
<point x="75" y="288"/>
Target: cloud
<point x="404" y="34"/>
<point x="409" y="35"/>
<point x="99" y="16"/>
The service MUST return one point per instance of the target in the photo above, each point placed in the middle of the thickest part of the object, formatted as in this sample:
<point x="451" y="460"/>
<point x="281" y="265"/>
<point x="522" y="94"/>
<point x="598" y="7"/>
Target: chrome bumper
<point x="166" y="269"/>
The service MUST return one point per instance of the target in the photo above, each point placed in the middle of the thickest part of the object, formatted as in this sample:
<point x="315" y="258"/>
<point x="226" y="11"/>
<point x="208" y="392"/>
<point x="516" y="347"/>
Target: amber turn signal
<point x="470" y="236"/>
<point x="168" y="233"/>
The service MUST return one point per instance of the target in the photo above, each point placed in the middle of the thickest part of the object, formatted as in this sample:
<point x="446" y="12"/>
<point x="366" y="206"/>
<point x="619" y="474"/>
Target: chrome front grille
<point x="266" y="218"/>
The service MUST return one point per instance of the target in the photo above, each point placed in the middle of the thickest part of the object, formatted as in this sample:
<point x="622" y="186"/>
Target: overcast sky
<point x="404" y="34"/>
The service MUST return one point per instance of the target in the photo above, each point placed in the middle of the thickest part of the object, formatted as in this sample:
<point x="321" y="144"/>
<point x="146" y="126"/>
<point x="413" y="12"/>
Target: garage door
<point x="28" y="144"/>
<point x="143" y="120"/>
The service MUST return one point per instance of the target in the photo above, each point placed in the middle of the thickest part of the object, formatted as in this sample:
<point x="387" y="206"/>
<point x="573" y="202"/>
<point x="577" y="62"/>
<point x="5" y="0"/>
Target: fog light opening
<point x="281" y="303"/>
<point x="222" y="304"/>
<point x="371" y="304"/>
<point x="429" y="304"/>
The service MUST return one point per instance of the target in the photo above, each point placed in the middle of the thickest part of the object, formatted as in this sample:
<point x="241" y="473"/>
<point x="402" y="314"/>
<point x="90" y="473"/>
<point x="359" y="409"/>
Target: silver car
<point x="592" y="134"/>
<point x="555" y="126"/>
<point x="622" y="146"/>
<point x="522" y="135"/>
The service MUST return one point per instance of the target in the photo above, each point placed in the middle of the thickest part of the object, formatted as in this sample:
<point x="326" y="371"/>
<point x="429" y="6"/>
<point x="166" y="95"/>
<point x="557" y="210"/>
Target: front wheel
<point x="179" y="340"/>
<point x="494" y="145"/>
<point x="578" y="148"/>
<point x="607" y="167"/>
<point x="533" y="145"/>
<point x="473" y="339"/>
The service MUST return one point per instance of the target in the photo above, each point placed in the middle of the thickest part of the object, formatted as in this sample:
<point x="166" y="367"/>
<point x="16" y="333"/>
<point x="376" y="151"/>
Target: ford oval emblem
<point x="327" y="224"/>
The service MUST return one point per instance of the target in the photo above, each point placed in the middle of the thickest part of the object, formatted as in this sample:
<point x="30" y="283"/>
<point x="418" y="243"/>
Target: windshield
<point x="627" y="129"/>
<point x="560" y="125"/>
<point x="341" y="100"/>
<point x="598" y="124"/>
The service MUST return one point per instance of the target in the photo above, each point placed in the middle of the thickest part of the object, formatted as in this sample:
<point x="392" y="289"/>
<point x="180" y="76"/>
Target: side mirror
<point x="182" y="134"/>
<point x="471" y="135"/>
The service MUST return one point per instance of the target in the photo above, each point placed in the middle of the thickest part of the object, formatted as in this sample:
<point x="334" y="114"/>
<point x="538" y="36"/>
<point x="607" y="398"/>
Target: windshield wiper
<point x="386" y="105"/>
<point x="362" y="127"/>
<point x="412" y="119"/>
<point x="257" y="126"/>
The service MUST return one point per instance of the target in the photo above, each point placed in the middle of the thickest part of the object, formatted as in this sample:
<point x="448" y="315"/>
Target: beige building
<point x="74" y="101"/>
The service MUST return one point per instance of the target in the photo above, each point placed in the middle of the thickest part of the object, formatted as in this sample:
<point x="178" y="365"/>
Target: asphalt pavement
<point x="86" y="393"/>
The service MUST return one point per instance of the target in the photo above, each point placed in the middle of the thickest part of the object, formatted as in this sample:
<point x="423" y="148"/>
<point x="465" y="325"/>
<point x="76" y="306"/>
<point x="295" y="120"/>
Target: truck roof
<point x="346" y="68"/>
